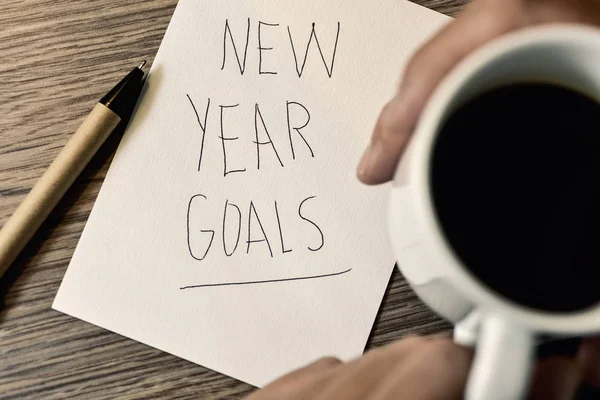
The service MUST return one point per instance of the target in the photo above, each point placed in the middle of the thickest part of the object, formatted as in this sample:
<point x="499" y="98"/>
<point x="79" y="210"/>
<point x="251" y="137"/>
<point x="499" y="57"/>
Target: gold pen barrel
<point x="55" y="181"/>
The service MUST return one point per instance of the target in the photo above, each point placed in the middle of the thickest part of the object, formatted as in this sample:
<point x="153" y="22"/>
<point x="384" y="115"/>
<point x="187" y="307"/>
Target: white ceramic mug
<point x="504" y="332"/>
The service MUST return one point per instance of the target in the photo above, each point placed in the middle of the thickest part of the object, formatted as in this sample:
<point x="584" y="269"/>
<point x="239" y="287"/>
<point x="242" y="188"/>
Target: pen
<point x="116" y="106"/>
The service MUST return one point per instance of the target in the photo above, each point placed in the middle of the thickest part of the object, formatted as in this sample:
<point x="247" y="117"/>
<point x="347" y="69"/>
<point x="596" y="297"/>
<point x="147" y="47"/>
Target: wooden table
<point x="56" y="60"/>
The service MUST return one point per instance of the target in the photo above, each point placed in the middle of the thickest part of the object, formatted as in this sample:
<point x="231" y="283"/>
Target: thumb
<point x="589" y="357"/>
<point x="478" y="24"/>
<point x="556" y="378"/>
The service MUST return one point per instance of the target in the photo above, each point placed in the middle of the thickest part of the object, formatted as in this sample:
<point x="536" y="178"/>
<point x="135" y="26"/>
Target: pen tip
<point x="141" y="66"/>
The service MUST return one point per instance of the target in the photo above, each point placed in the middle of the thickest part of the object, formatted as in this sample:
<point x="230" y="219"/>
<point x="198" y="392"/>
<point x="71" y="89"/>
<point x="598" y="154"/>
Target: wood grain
<point x="57" y="57"/>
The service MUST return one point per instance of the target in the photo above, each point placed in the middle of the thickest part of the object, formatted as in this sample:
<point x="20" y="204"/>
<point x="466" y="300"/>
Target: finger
<point x="357" y="379"/>
<point x="589" y="358"/>
<point x="556" y="378"/>
<point x="437" y="371"/>
<point x="481" y="22"/>
<point x="289" y="385"/>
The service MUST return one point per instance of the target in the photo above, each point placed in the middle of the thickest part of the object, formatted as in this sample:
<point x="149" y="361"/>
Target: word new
<point x="262" y="48"/>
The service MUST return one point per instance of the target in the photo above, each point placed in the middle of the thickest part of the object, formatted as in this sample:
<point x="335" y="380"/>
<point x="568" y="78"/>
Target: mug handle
<point x="503" y="361"/>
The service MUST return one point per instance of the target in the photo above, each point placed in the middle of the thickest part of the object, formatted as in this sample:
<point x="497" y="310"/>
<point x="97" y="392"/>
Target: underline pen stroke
<point x="299" y="278"/>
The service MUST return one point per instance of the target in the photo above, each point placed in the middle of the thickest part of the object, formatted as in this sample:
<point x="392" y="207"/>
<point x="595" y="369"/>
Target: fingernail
<point x="369" y="159"/>
<point x="395" y="117"/>
<point x="365" y="161"/>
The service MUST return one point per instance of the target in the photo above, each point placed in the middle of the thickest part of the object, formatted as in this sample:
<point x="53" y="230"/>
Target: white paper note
<point x="231" y="230"/>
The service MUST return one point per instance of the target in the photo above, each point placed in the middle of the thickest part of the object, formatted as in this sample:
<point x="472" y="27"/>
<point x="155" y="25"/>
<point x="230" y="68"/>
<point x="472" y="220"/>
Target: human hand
<point x="479" y="23"/>
<point x="411" y="369"/>
<point x="422" y="369"/>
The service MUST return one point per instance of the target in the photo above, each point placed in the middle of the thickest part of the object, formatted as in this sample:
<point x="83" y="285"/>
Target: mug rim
<point x="581" y="321"/>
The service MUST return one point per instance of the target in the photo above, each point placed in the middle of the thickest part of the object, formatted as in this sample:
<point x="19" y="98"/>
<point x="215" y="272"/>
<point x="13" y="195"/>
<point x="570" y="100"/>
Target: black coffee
<point x="515" y="177"/>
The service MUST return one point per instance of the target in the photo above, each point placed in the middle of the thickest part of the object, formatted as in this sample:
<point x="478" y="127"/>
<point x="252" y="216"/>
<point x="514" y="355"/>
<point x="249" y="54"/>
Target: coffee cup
<point x="503" y="331"/>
